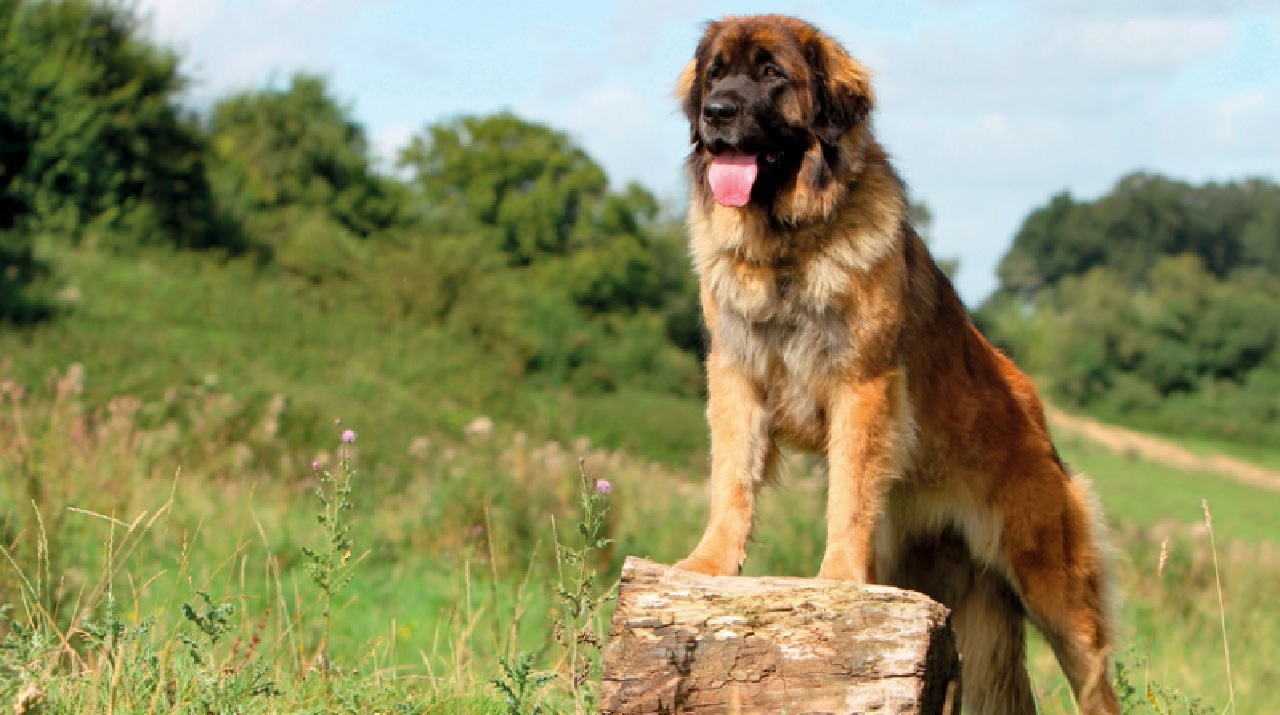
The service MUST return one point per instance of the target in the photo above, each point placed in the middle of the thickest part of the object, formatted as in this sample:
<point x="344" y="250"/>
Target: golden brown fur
<point x="833" y="330"/>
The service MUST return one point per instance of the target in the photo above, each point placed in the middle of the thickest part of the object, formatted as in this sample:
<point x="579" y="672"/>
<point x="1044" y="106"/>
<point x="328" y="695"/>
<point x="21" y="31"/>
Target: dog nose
<point x="719" y="111"/>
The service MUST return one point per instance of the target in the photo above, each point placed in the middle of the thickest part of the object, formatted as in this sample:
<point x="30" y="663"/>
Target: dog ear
<point x="842" y="96"/>
<point x="689" y="92"/>
<point x="689" y="85"/>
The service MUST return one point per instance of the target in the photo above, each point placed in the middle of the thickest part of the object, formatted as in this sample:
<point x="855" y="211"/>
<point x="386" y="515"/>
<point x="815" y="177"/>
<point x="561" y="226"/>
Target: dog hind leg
<point x="1057" y="562"/>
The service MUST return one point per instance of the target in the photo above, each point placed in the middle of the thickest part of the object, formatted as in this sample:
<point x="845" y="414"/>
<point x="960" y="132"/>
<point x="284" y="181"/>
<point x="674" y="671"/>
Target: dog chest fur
<point x="783" y="324"/>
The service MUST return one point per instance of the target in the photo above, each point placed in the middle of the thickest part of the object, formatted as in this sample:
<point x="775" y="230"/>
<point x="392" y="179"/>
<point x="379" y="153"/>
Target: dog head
<point x="770" y="100"/>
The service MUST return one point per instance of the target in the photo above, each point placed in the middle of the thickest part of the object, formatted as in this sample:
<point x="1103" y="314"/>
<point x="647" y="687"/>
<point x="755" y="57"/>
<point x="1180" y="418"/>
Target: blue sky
<point x="988" y="107"/>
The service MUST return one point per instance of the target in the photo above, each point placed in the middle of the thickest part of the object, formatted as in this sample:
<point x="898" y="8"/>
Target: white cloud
<point x="1074" y="67"/>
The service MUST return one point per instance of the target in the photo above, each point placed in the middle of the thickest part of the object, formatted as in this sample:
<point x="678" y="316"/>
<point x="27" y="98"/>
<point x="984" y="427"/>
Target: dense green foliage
<point x="1144" y="217"/>
<point x="544" y="262"/>
<point x="1154" y="305"/>
<point x="93" y="135"/>
<point x="292" y="169"/>
<point x="504" y="240"/>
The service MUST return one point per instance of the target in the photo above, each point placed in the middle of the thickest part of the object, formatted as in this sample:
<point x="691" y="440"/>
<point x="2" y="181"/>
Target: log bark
<point x="685" y="643"/>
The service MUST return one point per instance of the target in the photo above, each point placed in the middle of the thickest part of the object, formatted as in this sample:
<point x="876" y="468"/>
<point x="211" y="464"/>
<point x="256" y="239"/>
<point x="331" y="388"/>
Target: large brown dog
<point x="833" y="330"/>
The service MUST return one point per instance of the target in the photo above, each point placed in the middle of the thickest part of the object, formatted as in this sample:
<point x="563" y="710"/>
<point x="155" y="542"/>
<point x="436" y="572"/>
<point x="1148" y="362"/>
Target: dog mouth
<point x="732" y="174"/>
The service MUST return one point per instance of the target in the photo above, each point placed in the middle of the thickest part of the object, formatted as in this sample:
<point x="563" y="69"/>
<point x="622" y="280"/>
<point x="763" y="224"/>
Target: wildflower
<point x="603" y="487"/>
<point x="348" y="436"/>
<point x="315" y="465"/>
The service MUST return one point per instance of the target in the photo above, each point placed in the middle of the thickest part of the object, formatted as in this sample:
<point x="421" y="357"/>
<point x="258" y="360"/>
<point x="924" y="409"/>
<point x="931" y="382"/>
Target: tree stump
<point x="685" y="643"/>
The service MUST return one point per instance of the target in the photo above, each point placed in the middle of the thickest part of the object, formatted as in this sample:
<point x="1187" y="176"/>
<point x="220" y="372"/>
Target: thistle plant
<point x="212" y="620"/>
<point x="575" y="626"/>
<point x="332" y="567"/>
<point x="223" y="686"/>
<point x="519" y="684"/>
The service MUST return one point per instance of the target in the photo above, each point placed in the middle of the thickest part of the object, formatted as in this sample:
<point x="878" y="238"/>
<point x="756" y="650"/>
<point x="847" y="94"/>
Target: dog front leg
<point x="867" y="427"/>
<point x="742" y="453"/>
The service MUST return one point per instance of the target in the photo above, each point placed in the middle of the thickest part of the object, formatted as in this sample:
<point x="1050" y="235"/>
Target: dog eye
<point x="773" y="71"/>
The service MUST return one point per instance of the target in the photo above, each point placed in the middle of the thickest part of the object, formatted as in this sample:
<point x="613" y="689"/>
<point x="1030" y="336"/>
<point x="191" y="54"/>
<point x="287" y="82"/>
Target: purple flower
<point x="315" y="465"/>
<point x="348" y="436"/>
<point x="603" y="486"/>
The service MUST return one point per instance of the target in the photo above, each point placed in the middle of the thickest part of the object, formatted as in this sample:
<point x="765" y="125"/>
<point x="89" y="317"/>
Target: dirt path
<point x="1154" y="449"/>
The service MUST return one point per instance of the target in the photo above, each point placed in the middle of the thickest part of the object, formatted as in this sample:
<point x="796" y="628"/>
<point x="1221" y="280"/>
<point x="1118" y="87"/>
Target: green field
<point x="459" y="567"/>
<point x="166" y="467"/>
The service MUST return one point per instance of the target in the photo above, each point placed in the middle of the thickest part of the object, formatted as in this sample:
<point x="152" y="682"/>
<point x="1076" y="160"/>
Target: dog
<point x="832" y="330"/>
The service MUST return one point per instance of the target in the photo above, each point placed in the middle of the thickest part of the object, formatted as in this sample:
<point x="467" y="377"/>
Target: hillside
<point x="162" y="326"/>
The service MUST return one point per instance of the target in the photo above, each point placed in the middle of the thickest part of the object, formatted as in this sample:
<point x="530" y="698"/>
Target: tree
<point x="1142" y="218"/>
<point x="16" y="260"/>
<point x="1055" y="241"/>
<point x="1154" y="304"/>
<point x="93" y="132"/>
<point x="530" y="185"/>
<point x="298" y="148"/>
<point x="542" y="202"/>
<point x="597" y="281"/>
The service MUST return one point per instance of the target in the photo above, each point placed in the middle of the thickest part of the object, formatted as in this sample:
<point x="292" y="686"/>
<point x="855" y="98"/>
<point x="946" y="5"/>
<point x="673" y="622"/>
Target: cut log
<point x="685" y="643"/>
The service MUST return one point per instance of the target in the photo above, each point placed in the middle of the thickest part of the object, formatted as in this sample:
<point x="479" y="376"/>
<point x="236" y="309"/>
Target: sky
<point x="988" y="107"/>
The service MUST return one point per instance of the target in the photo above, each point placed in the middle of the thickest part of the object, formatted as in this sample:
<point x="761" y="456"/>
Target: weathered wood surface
<point x="685" y="643"/>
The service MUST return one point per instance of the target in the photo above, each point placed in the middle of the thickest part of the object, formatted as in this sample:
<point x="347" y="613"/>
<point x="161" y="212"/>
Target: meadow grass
<point x="1139" y="493"/>
<point x="157" y="323"/>
<point x="116" y="526"/>
<point x="1261" y="455"/>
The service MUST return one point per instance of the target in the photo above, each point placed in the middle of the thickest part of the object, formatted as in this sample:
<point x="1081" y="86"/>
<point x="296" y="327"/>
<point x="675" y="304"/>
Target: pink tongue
<point x="731" y="177"/>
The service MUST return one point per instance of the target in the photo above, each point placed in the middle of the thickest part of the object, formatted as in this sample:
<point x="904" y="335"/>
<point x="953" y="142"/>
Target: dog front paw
<point x="841" y="567"/>
<point x="710" y="566"/>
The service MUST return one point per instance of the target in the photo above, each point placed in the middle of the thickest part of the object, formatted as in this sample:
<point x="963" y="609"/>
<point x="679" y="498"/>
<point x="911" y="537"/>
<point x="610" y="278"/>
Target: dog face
<point x="766" y="98"/>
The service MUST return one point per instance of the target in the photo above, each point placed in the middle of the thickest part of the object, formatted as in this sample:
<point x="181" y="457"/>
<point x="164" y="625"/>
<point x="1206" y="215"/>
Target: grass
<point x="1264" y="456"/>
<point x="203" y="585"/>
<point x="177" y="462"/>
<point x="156" y="322"/>
<point x="1145" y="494"/>
<point x="459" y="584"/>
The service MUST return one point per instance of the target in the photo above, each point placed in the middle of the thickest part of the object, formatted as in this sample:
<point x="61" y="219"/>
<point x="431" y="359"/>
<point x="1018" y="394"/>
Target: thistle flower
<point x="603" y="487"/>
<point x="348" y="436"/>
<point x="315" y="465"/>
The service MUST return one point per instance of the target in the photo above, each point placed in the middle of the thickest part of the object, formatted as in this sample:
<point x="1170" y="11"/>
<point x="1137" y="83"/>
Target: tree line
<point x="504" y="229"/>
<point x="1154" y="304"/>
